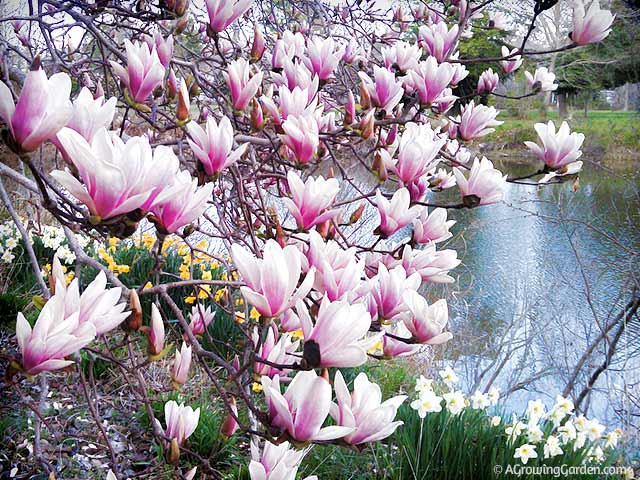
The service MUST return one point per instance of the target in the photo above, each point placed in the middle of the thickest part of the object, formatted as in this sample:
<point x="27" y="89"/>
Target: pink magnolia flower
<point x="397" y="341"/>
<point x="272" y="281"/>
<point x="477" y="121"/>
<point x="485" y="183"/>
<point x="417" y="152"/>
<point x="354" y="53"/>
<point x="181" y="202"/>
<point x="112" y="172"/>
<point x="591" y="26"/>
<point x="181" y="421"/>
<point x="181" y="364"/>
<point x="397" y="213"/>
<point x="570" y="169"/>
<point x="53" y="337"/>
<point x="276" y="349"/>
<point x="433" y="266"/>
<point x="418" y="188"/>
<point x="542" y="79"/>
<point x="323" y="55"/>
<point x="488" y="81"/>
<point x="90" y="115"/>
<point x="296" y="74"/>
<point x="387" y="289"/>
<point x="164" y="47"/>
<point x="460" y="72"/>
<point x="97" y="305"/>
<point x="296" y="102"/>
<point x="301" y="136"/>
<point x="558" y="148"/>
<point x="200" y="319"/>
<point x="213" y="146"/>
<point x="426" y="322"/>
<point x="430" y="80"/>
<point x="156" y="332"/>
<point x="442" y="179"/>
<point x="364" y="410"/>
<point x="43" y="108"/>
<point x="385" y="92"/>
<point x="402" y="56"/>
<point x="277" y="462"/>
<point x="303" y="408"/>
<point x="432" y="227"/>
<point x="144" y="71"/>
<point x="511" y="65"/>
<point x="311" y="200"/>
<point x="338" y="335"/>
<point x="223" y="13"/>
<point x="437" y="40"/>
<point x="242" y="87"/>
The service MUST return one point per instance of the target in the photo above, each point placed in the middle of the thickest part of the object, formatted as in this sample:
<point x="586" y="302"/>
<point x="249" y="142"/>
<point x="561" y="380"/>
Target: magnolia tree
<point x="310" y="144"/>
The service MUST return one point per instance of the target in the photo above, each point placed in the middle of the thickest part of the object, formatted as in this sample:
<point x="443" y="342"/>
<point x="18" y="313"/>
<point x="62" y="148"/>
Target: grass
<point x="606" y="129"/>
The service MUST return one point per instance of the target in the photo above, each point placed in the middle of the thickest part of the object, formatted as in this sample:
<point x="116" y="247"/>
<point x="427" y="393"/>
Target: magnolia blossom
<point x="558" y="148"/>
<point x="181" y="202"/>
<point x="396" y="341"/>
<point x="323" y="55"/>
<point x="477" y="121"/>
<point x="181" y="421"/>
<point x="497" y="20"/>
<point x="181" y="364"/>
<point x="433" y="266"/>
<point x="591" y="26"/>
<point x="430" y="81"/>
<point x="43" y="108"/>
<point x="144" y="71"/>
<point x="303" y="408"/>
<point x="488" y="81"/>
<point x="338" y="271"/>
<point x="442" y="179"/>
<point x="417" y="151"/>
<point x="276" y="462"/>
<point x="385" y="91"/>
<point x="542" y="79"/>
<point x="276" y="349"/>
<point x="223" y="13"/>
<point x="387" y="291"/>
<point x="397" y="213"/>
<point x="484" y="182"/>
<point x="242" y="87"/>
<point x="460" y="71"/>
<point x="301" y="136"/>
<point x="97" y="305"/>
<point x="296" y="102"/>
<point x="164" y="47"/>
<point x="402" y="56"/>
<point x="156" y="332"/>
<point x="112" y="172"/>
<point x="271" y="282"/>
<point x="53" y="337"/>
<point x="200" y="319"/>
<point x="311" y="200"/>
<point x="213" y="146"/>
<point x="438" y="40"/>
<point x="426" y="322"/>
<point x="511" y="65"/>
<point x="337" y="337"/>
<point x="432" y="227"/>
<point x="364" y="410"/>
<point x="90" y="115"/>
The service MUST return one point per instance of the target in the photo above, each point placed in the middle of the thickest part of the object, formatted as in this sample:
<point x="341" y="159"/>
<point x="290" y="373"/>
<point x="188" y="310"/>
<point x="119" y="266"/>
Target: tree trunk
<point x="562" y="105"/>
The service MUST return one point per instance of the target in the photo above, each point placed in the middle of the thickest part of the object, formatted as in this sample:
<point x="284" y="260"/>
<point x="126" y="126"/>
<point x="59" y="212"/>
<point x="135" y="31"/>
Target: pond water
<point x="541" y="273"/>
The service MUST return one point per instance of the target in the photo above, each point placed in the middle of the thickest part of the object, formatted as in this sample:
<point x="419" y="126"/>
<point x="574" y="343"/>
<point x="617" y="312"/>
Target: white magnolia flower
<point x="525" y="453"/>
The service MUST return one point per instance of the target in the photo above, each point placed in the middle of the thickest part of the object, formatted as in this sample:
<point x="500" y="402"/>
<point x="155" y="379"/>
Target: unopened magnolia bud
<point x="367" y="124"/>
<point x="365" y="99"/>
<point x="134" y="321"/>
<point x="357" y="213"/>
<point x="378" y="166"/>
<point x="257" y="117"/>
<point x="230" y="425"/>
<point x="257" y="49"/>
